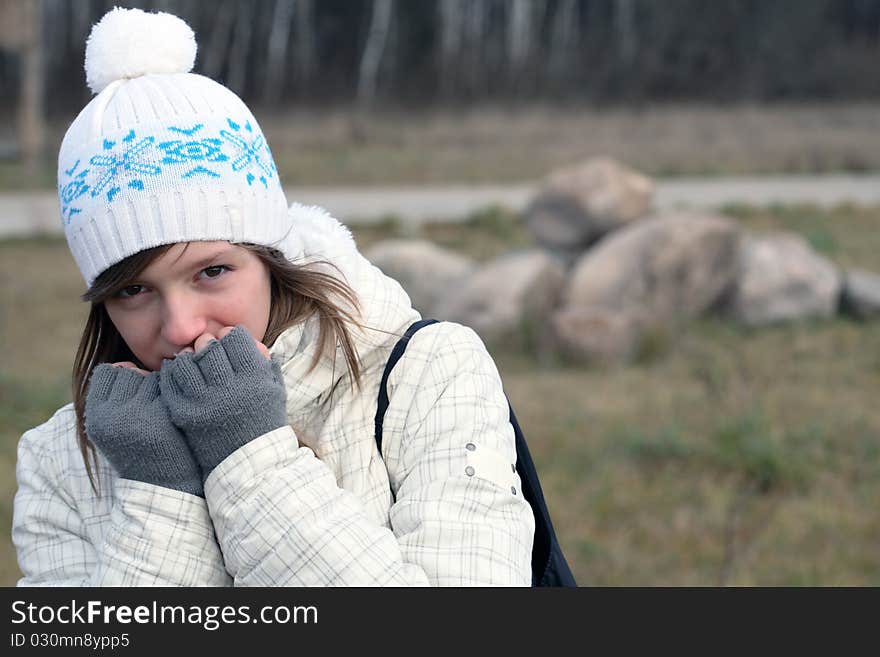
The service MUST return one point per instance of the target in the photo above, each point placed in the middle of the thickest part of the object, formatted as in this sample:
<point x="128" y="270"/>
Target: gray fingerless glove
<point x="128" y="422"/>
<point x="224" y="396"/>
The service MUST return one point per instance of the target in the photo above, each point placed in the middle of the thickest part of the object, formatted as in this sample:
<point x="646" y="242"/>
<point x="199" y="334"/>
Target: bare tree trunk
<point x="241" y="45"/>
<point x="217" y="51"/>
<point x="524" y="20"/>
<point x="276" y="65"/>
<point x="475" y="31"/>
<point x="304" y="39"/>
<point x="451" y="23"/>
<point x="12" y="13"/>
<point x="80" y="21"/>
<point x="31" y="120"/>
<point x="519" y="32"/>
<point x="563" y="39"/>
<point x="538" y="54"/>
<point x="368" y="74"/>
<point x="624" y="24"/>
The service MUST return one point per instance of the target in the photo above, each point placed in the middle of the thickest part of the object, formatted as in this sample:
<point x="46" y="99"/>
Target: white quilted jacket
<point x="308" y="504"/>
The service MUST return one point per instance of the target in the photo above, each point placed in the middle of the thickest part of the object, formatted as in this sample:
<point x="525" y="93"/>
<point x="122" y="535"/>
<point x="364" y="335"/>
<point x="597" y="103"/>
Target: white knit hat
<point x="161" y="155"/>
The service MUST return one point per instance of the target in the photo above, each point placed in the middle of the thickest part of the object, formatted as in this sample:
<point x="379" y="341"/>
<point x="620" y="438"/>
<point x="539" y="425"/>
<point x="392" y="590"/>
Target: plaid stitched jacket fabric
<point x="309" y="504"/>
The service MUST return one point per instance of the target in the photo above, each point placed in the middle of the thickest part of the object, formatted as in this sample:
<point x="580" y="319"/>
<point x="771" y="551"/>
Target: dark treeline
<point x="425" y="52"/>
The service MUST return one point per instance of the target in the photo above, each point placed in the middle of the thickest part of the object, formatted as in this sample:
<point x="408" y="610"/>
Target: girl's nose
<point x="183" y="321"/>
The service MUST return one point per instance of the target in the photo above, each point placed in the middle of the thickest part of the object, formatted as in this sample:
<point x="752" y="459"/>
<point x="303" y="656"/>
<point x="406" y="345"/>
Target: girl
<point x="225" y="387"/>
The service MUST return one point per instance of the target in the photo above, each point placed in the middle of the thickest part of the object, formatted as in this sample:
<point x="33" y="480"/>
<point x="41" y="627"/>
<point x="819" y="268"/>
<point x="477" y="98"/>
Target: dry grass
<point x="735" y="459"/>
<point x="493" y="145"/>
<point x="731" y="457"/>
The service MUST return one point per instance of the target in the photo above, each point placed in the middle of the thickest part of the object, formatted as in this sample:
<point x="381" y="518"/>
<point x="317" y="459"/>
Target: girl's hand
<point x="224" y="394"/>
<point x="127" y="421"/>
<point x="127" y="364"/>
<point x="205" y="339"/>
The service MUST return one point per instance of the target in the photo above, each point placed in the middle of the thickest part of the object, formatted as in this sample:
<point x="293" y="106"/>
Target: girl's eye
<point x="215" y="271"/>
<point x="130" y="291"/>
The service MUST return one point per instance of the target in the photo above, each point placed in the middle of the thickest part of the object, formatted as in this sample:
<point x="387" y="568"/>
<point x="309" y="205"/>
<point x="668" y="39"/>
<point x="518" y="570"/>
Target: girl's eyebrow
<point x="206" y="261"/>
<point x="222" y="252"/>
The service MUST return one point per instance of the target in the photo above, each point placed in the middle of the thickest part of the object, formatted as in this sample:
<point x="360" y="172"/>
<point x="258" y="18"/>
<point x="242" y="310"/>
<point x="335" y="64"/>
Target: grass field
<point x="725" y="456"/>
<point x="498" y="145"/>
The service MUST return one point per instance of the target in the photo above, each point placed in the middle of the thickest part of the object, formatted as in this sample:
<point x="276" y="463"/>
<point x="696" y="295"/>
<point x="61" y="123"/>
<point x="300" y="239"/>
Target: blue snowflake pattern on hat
<point x="72" y="191"/>
<point x="200" y="150"/>
<point x="131" y="161"/>
<point x="250" y="153"/>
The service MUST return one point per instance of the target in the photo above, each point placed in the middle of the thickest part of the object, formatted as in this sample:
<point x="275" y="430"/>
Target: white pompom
<point x="128" y="43"/>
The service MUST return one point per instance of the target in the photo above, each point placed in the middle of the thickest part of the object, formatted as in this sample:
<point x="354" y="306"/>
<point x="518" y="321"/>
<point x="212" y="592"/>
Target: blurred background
<point x="662" y="217"/>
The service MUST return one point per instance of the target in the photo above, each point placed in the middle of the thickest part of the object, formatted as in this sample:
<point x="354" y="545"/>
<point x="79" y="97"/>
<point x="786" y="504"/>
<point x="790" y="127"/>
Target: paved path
<point x="29" y="214"/>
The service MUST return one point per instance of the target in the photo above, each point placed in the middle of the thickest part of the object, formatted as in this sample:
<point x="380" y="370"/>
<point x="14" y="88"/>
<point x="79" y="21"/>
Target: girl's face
<point x="191" y="289"/>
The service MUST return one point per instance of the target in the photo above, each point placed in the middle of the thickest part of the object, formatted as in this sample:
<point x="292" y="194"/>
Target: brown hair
<point x="299" y="291"/>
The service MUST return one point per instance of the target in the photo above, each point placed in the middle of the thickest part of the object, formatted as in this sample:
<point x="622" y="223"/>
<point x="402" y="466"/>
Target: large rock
<point x="781" y="278"/>
<point x="508" y="299"/>
<point x="668" y="267"/>
<point x="577" y="205"/>
<point x="426" y="271"/>
<point x="596" y="335"/>
<point x="861" y="294"/>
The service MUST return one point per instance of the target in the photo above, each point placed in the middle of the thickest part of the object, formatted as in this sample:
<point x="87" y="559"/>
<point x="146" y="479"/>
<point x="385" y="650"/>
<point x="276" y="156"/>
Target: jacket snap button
<point x="513" y="490"/>
<point x="470" y="447"/>
<point x="469" y="471"/>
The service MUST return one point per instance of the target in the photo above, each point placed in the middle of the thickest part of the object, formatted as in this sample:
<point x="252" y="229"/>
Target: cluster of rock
<point x="606" y="274"/>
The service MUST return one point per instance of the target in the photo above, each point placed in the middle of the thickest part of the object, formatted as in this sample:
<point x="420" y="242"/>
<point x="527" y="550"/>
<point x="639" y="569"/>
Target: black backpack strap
<point x="396" y="353"/>
<point x="549" y="567"/>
